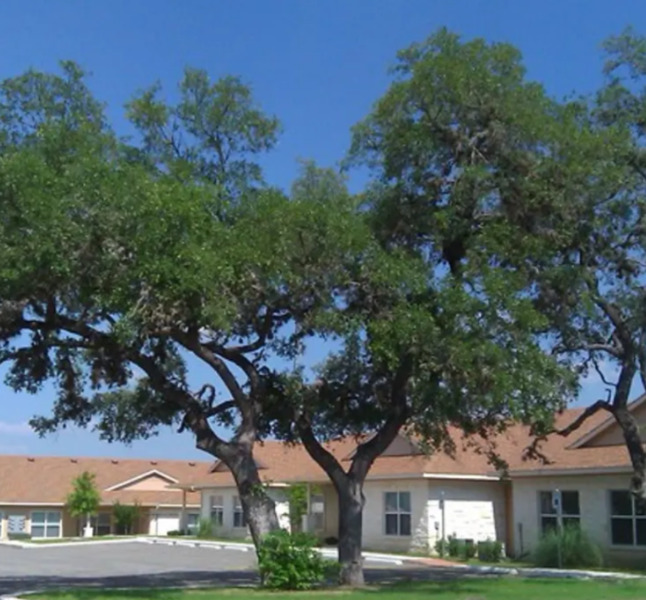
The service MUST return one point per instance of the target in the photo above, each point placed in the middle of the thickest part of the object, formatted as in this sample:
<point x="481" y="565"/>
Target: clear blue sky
<point x="317" y="65"/>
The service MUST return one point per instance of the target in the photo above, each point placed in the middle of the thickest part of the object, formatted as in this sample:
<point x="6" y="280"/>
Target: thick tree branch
<point x="325" y="459"/>
<point x="370" y="450"/>
<point x="585" y="415"/>
<point x="220" y="408"/>
<point x="192" y="343"/>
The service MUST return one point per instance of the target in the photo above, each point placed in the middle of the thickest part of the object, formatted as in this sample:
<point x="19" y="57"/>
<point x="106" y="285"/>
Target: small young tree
<point x="297" y="496"/>
<point x="125" y="517"/>
<point x="85" y="498"/>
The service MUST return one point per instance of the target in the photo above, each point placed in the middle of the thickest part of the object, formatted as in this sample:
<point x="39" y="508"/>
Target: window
<point x="570" y="511"/>
<point x="101" y="524"/>
<point x="397" y="513"/>
<point x="217" y="511"/>
<point x="238" y="513"/>
<point x="627" y="519"/>
<point x="46" y="524"/>
<point x="192" y="522"/>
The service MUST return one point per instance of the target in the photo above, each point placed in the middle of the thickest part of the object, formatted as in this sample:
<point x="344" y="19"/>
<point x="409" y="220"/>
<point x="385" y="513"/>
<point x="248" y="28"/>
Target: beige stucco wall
<point x="228" y="494"/>
<point x="473" y="510"/>
<point x="374" y="537"/>
<point x="331" y="515"/>
<point x="594" y="504"/>
<point x="25" y="511"/>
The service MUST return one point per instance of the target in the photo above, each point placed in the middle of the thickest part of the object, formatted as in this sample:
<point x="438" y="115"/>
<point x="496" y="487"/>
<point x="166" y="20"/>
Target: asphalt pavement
<point x="137" y="564"/>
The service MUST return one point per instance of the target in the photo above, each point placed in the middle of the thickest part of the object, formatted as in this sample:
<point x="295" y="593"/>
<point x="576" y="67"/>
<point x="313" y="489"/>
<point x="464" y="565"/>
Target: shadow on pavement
<point x="12" y="585"/>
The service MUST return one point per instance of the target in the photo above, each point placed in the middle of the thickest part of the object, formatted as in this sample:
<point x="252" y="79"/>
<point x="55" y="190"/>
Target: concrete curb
<point x="530" y="572"/>
<point x="240" y="546"/>
<point x="32" y="546"/>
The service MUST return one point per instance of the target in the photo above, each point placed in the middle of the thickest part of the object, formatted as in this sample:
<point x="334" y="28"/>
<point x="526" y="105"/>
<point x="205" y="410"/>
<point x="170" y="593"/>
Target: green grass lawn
<point x="464" y="589"/>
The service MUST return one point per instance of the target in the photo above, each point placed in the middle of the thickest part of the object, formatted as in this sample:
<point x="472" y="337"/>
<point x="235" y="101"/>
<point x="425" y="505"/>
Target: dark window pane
<point x="217" y="516"/>
<point x="38" y="517"/>
<point x="620" y="503"/>
<point x="548" y="523"/>
<point x="640" y="526"/>
<point x="545" y="499"/>
<point x="570" y="502"/>
<point x="622" y="531"/>
<point x="404" y="502"/>
<point x="640" y="507"/>
<point x="404" y="524"/>
<point x="239" y="520"/>
<point x="391" y="501"/>
<point x="52" y="531"/>
<point x="37" y="531"/>
<point x="391" y="525"/>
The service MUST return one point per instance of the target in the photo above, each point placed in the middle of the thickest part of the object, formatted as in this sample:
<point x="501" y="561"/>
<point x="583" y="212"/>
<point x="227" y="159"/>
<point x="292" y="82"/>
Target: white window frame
<point x="554" y="514"/>
<point x="398" y="513"/>
<point x="238" y="514"/>
<point x="633" y="518"/>
<point x="216" y="510"/>
<point x="46" y="523"/>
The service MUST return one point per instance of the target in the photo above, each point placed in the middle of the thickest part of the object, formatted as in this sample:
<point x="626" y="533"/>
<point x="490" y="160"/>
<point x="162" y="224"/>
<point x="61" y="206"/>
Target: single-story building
<point x="412" y="499"/>
<point x="33" y="492"/>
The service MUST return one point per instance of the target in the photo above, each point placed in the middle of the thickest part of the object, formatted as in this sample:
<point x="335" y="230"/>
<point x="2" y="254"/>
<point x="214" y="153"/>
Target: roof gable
<point x="608" y="432"/>
<point x="135" y="482"/>
<point x="402" y="445"/>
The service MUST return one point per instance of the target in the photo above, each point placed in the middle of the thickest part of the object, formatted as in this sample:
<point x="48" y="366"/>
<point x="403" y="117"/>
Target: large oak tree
<point x="122" y="262"/>
<point x="463" y="151"/>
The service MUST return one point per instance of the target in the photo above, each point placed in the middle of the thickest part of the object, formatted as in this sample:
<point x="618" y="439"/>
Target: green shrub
<point x="290" y="561"/>
<point x="126" y="518"/>
<point x="441" y="547"/>
<point x="176" y="533"/>
<point x="490" y="551"/>
<point x="455" y="547"/>
<point x="205" y="529"/>
<point x="470" y="549"/>
<point x="19" y="535"/>
<point x="577" y="550"/>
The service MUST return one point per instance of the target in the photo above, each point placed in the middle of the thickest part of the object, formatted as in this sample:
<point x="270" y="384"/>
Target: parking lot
<point x="137" y="564"/>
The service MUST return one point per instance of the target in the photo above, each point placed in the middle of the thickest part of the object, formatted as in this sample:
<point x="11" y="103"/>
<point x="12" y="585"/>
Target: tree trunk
<point x="351" y="502"/>
<point x="258" y="508"/>
<point x="632" y="436"/>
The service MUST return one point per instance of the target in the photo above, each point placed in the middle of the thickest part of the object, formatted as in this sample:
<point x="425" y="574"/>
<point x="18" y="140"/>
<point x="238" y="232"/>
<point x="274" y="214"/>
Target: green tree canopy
<point x="84" y="499"/>
<point x="118" y="264"/>
<point x="469" y="165"/>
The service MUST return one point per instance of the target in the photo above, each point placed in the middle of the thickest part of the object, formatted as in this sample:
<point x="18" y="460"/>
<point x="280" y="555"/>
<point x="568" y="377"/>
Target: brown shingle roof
<point x="41" y="479"/>
<point x="292" y="463"/>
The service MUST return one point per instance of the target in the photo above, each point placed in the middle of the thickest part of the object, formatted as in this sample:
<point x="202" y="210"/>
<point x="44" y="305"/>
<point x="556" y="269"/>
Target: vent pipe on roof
<point x="191" y="464"/>
<point x="114" y="462"/>
<point x="153" y="462"/>
<point x="31" y="459"/>
<point x="73" y="460"/>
